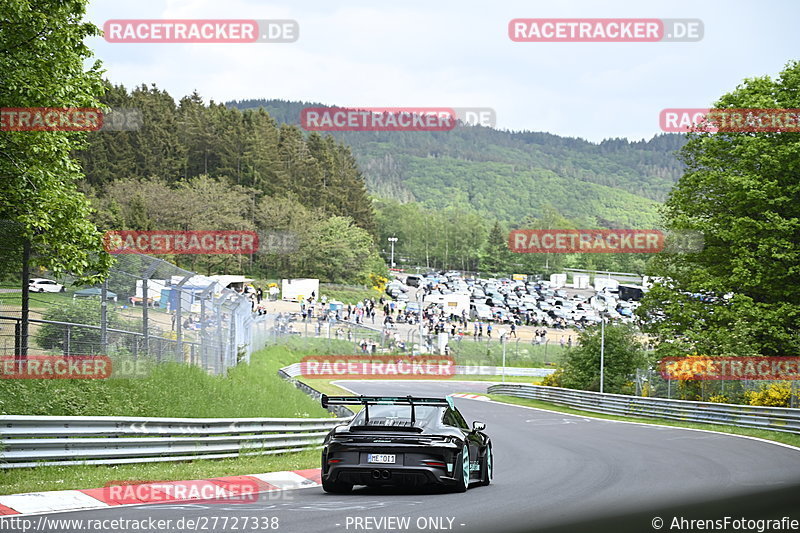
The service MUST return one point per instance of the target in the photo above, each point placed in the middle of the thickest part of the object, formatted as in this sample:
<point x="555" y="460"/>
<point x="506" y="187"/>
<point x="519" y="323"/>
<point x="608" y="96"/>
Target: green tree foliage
<point x="83" y="341"/>
<point x="338" y="251"/>
<point x="446" y="238"/>
<point x="623" y="354"/>
<point x="511" y="175"/>
<point x="43" y="64"/>
<point x="497" y="258"/>
<point x="741" y="190"/>
<point x="180" y="142"/>
<point x="198" y="166"/>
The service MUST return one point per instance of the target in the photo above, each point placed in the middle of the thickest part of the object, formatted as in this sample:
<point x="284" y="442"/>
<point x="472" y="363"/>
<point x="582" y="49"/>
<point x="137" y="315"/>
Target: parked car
<point x="413" y="280"/>
<point x="479" y="311"/>
<point x="44" y="285"/>
<point x="94" y="292"/>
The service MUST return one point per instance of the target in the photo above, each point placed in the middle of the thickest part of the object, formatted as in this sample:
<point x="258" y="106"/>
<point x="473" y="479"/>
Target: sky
<point x="458" y="54"/>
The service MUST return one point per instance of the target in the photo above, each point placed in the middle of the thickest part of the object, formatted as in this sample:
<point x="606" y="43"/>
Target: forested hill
<point x="511" y="175"/>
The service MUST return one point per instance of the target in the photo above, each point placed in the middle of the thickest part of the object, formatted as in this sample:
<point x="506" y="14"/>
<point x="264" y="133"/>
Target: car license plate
<point x="380" y="458"/>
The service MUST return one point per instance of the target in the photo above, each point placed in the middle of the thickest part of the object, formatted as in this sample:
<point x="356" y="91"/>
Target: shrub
<point x="554" y="379"/>
<point x="777" y="394"/>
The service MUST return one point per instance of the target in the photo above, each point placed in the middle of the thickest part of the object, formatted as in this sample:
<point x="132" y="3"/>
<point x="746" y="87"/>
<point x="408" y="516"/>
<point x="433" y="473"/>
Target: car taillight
<point x="434" y="463"/>
<point x="334" y="460"/>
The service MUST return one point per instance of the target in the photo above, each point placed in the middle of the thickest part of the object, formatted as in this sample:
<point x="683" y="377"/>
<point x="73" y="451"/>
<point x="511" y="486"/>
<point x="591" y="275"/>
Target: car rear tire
<point x="336" y="487"/>
<point x="462" y="467"/>
<point x="487" y="466"/>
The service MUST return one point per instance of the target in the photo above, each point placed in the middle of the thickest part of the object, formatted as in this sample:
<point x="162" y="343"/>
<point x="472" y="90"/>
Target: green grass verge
<point x="777" y="436"/>
<point x="522" y="354"/>
<point x="170" y="390"/>
<point x="38" y="300"/>
<point x="46" y="478"/>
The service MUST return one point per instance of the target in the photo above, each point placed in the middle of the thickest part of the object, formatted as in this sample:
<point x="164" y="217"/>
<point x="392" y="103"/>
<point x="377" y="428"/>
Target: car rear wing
<point x="366" y="401"/>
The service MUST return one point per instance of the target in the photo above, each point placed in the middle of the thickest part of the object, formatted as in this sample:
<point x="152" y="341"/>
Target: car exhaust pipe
<point x="376" y="474"/>
<point x="385" y="474"/>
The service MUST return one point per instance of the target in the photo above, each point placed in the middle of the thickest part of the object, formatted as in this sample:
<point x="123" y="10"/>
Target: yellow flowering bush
<point x="776" y="394"/>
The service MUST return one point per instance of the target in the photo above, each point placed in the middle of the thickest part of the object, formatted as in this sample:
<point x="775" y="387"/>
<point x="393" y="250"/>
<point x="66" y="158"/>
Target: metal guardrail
<point x="338" y="410"/>
<point x="29" y="441"/>
<point x="782" y="419"/>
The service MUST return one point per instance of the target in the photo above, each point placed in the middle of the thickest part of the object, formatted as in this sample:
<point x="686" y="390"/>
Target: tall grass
<point x="170" y="390"/>
<point x="520" y="354"/>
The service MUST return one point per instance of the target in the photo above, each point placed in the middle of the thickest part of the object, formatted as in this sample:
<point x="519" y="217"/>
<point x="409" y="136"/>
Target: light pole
<point x="392" y="240"/>
<point x="503" y="344"/>
<point x="601" y="309"/>
<point x="602" y="348"/>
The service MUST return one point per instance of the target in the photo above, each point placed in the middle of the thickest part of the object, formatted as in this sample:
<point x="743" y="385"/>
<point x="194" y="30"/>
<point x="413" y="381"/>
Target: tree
<point x="43" y="64"/>
<point x="739" y="295"/>
<point x="622" y="355"/>
<point x="338" y="251"/>
<point x="497" y="258"/>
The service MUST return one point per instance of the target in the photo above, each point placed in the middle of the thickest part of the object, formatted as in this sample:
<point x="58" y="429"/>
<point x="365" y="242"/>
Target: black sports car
<point x="404" y="441"/>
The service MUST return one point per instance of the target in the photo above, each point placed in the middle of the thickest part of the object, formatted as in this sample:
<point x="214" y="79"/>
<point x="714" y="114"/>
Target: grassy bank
<point x="521" y="354"/>
<point x="170" y="390"/>
<point x="777" y="436"/>
<point x="90" y="477"/>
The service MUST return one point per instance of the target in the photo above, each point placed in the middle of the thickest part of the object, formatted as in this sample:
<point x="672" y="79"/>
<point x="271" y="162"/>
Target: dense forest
<point x="450" y="197"/>
<point x="198" y="166"/>
<point x="511" y="175"/>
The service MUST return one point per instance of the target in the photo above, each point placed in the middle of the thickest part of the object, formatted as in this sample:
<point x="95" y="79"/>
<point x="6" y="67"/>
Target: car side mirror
<point x="478" y="426"/>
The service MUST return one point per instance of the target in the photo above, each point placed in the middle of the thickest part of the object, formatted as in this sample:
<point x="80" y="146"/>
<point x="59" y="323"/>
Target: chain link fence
<point x="146" y="310"/>
<point x="651" y="383"/>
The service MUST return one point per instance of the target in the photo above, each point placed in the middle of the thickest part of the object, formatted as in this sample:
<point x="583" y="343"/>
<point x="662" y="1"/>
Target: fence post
<point x="204" y="348"/>
<point x="22" y="351"/>
<point x="67" y="340"/>
<point x="178" y="320"/>
<point x="104" y="316"/>
<point x="18" y="339"/>
<point x="145" y="317"/>
<point x="233" y="348"/>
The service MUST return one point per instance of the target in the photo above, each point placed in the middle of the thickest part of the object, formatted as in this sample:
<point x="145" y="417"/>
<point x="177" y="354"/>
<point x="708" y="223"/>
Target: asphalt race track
<point x="550" y="469"/>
